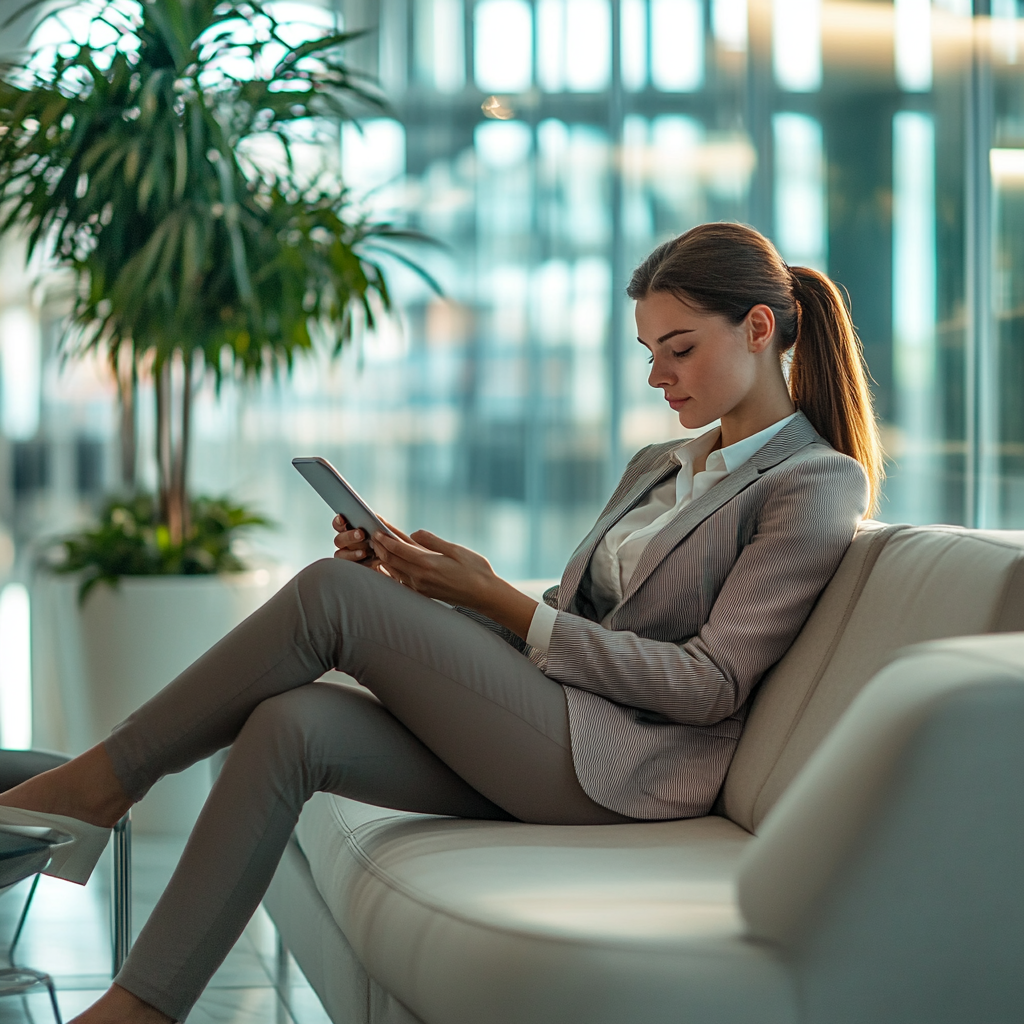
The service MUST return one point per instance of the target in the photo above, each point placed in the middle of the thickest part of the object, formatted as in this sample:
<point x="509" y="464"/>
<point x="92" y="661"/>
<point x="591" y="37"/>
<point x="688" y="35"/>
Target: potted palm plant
<point x="154" y="157"/>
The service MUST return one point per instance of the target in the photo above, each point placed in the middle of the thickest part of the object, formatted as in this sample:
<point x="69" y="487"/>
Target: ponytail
<point x="727" y="269"/>
<point x="827" y="377"/>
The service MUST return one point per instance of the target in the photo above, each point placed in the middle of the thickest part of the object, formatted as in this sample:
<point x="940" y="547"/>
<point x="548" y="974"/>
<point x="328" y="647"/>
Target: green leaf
<point x="129" y="540"/>
<point x="126" y="170"/>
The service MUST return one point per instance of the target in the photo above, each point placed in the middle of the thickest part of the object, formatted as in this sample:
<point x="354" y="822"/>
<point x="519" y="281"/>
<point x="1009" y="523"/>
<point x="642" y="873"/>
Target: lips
<point x="677" y="403"/>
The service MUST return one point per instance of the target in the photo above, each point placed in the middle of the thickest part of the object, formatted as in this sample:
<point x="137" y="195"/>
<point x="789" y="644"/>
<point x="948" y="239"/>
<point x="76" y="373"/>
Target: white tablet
<point x="340" y="495"/>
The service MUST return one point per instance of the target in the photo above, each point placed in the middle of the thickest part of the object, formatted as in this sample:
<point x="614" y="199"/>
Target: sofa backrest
<point x="896" y="586"/>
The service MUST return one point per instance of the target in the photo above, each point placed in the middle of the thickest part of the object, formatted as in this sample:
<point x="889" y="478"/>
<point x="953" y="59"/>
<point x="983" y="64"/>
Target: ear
<point x="760" y="324"/>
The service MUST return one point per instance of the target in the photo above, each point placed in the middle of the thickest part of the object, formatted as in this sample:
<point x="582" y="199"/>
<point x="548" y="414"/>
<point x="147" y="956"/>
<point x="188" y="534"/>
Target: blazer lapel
<point x="577" y="564"/>
<point x="796" y="434"/>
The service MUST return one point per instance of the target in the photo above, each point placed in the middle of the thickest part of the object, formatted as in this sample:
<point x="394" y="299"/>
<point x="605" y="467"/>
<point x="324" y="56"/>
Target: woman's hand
<point x="434" y="567"/>
<point x="351" y="545"/>
<point x="453" y="573"/>
<point x="355" y="546"/>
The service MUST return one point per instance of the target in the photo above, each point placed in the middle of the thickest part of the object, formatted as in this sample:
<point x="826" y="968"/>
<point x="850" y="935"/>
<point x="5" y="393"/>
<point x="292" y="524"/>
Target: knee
<point x="334" y="593"/>
<point x="286" y="741"/>
<point x="325" y="575"/>
<point x="322" y="590"/>
<point x="331" y="582"/>
<point x="281" y="726"/>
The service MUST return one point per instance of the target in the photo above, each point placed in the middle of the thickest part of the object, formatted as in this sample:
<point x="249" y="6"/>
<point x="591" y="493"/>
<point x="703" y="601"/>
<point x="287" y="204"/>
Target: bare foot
<point x="85" y="788"/>
<point x="118" y="1006"/>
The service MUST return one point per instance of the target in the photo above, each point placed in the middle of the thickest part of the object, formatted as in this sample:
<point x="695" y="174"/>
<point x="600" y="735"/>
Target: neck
<point x="737" y="425"/>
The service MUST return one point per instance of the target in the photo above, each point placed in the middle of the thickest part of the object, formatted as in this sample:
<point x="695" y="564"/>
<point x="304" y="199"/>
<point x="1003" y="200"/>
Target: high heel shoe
<point x="75" y="845"/>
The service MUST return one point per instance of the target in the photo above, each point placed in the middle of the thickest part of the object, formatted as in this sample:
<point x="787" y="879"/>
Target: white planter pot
<point x="92" y="665"/>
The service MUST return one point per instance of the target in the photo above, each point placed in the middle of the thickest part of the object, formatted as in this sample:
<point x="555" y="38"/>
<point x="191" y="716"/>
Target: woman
<point x="619" y="698"/>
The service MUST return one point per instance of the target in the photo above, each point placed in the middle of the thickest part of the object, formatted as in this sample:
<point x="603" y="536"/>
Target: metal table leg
<point x="121" y="891"/>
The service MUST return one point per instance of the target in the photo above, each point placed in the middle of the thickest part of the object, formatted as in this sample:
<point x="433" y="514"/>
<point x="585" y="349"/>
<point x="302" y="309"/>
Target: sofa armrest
<point x="895" y="855"/>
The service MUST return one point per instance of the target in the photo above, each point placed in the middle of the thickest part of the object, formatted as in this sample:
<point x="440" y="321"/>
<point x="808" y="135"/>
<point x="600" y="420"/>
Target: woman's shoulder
<point x="818" y="473"/>
<point x="820" y="455"/>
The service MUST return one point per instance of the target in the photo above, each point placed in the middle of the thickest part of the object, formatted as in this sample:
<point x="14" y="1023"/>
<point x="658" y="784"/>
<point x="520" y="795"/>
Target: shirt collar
<point x="693" y="448"/>
<point x="726" y="460"/>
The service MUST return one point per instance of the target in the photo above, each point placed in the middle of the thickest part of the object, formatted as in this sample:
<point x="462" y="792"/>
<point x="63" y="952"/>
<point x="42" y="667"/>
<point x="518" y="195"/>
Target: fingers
<point x="406" y="562"/>
<point x="432" y="542"/>
<point x="398" y="570"/>
<point x="396" y="553"/>
<point x="391" y="547"/>
<point x="395" y="530"/>
<point x="352" y="545"/>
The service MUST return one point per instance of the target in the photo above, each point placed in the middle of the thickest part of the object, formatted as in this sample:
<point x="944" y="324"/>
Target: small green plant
<point x="130" y="540"/>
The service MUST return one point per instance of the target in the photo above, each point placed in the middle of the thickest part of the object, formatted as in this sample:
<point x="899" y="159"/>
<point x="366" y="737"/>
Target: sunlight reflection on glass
<point x="1005" y="30"/>
<point x="551" y="45"/>
<point x="15" y="668"/>
<point x="800" y="199"/>
<point x="497" y="109"/>
<point x="675" y="141"/>
<point x="677" y="45"/>
<point x="913" y="291"/>
<point x="20" y="377"/>
<point x="573" y="45"/>
<point x="440" y="44"/>
<point x="913" y="45"/>
<point x="796" y="44"/>
<point x="588" y="36"/>
<point x="78" y="25"/>
<point x="634" y="44"/>
<point x="502" y="144"/>
<point x="372" y="161"/>
<point x="729" y="24"/>
<point x="296" y="23"/>
<point x="503" y="54"/>
<point x="551" y="290"/>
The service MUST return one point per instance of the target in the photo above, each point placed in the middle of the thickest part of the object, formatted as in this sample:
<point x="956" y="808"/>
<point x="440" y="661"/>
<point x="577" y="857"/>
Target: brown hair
<point x="727" y="269"/>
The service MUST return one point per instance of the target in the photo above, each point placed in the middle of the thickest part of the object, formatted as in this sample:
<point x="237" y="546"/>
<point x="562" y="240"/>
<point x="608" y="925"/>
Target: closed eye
<point x="678" y="355"/>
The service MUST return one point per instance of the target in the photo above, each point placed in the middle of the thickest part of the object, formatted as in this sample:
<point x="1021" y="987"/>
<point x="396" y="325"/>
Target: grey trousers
<point x="456" y="722"/>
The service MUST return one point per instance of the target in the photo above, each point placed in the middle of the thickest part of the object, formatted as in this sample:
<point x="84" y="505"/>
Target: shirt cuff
<point x="541" y="626"/>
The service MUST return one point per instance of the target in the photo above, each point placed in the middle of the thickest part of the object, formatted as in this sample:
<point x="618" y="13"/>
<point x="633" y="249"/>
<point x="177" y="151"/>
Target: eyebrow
<point x="671" y="334"/>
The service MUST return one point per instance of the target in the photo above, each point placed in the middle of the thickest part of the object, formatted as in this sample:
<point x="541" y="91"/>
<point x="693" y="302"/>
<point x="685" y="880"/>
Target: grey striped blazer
<point x="657" y="701"/>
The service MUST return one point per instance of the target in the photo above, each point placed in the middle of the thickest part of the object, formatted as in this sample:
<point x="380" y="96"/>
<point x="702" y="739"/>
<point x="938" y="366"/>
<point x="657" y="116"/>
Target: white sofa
<point x="865" y="862"/>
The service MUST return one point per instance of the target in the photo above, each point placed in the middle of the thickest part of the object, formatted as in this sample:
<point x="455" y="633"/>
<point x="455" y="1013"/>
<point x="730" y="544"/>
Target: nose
<point x="660" y="375"/>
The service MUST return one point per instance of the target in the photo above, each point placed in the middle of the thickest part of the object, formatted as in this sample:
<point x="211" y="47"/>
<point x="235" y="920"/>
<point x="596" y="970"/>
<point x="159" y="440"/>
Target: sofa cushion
<point x="469" y="921"/>
<point x="896" y="586"/>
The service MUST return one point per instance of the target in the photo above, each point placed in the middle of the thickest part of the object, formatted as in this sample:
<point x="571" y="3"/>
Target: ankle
<point x="94" y="789"/>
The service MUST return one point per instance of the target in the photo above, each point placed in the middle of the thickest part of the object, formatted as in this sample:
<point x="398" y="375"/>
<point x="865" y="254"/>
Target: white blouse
<point x="615" y="559"/>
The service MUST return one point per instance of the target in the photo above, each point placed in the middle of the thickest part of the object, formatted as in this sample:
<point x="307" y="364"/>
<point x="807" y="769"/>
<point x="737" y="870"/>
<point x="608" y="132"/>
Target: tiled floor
<point x="68" y="936"/>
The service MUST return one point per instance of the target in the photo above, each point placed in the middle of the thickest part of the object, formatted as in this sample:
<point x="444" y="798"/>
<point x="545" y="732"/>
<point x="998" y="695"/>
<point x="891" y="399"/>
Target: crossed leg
<point x="462" y="724"/>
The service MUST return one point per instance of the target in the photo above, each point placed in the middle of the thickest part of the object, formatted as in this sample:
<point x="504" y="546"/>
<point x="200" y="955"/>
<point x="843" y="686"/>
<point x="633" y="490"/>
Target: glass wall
<point x="550" y="144"/>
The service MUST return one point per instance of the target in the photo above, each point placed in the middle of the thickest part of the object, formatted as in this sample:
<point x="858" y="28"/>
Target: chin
<point x="693" y="420"/>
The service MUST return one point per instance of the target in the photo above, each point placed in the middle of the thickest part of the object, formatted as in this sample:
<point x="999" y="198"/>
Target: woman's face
<point x="706" y="366"/>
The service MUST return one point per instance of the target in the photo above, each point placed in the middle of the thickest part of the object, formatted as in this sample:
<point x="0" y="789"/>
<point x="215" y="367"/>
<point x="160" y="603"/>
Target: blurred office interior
<point x="550" y="144"/>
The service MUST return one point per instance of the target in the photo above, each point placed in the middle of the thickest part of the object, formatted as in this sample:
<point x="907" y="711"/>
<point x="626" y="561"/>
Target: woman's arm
<point x="453" y="573"/>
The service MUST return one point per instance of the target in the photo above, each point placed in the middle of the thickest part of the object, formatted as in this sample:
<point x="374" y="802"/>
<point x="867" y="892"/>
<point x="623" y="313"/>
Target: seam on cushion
<point x="416" y="896"/>
<point x="880" y="540"/>
<point x="964" y="533"/>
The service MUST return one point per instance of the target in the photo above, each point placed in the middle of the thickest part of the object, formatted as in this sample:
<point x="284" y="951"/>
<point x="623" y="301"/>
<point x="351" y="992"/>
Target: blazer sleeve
<point x="804" y="527"/>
